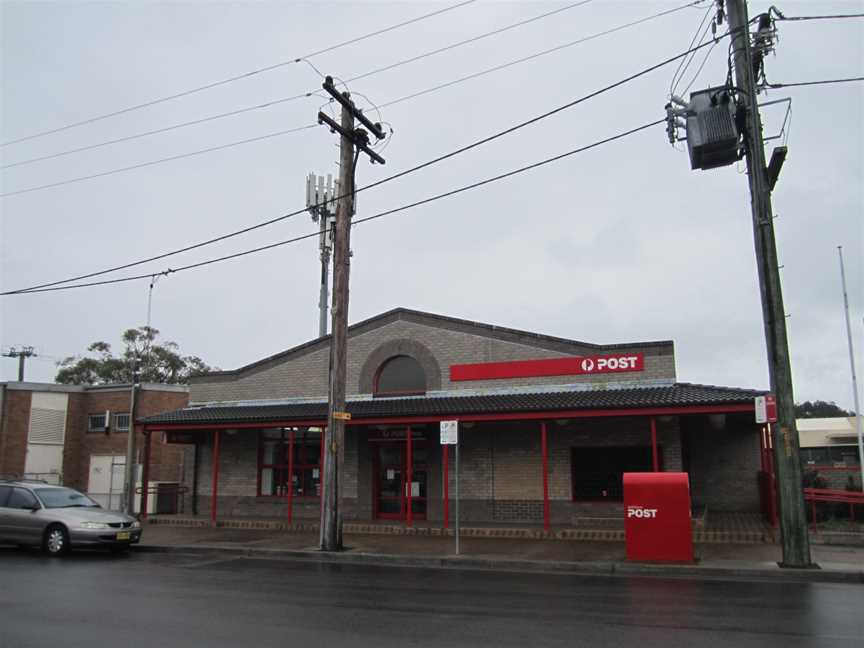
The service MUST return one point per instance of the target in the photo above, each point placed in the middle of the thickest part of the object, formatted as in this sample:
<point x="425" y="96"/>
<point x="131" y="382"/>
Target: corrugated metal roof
<point x="676" y="395"/>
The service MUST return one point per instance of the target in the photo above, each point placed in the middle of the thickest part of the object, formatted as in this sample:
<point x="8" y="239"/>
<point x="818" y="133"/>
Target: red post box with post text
<point x="657" y="523"/>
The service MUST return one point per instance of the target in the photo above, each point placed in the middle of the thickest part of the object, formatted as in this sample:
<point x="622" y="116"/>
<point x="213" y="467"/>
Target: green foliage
<point x="158" y="362"/>
<point x="820" y="409"/>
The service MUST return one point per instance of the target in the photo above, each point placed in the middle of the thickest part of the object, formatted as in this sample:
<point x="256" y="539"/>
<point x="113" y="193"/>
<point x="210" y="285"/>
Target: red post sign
<point x="570" y="366"/>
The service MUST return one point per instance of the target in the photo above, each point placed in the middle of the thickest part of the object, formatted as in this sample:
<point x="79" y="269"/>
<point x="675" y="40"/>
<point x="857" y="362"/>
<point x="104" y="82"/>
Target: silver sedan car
<point x="58" y="518"/>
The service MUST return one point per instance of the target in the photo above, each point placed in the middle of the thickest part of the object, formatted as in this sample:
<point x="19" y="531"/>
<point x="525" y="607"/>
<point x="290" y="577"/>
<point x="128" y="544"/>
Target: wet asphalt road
<point x="166" y="600"/>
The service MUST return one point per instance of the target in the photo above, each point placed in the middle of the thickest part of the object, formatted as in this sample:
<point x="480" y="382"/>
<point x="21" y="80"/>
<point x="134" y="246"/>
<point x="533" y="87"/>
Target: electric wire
<point x="171" y="158"/>
<point x="391" y="103"/>
<point x="673" y="84"/>
<point x="166" y="129"/>
<point x="701" y="67"/>
<point x="309" y="93"/>
<point x="536" y="55"/>
<point x="467" y="41"/>
<point x="238" y="77"/>
<point x="388" y="212"/>
<point x="813" y="83"/>
<point x="390" y="178"/>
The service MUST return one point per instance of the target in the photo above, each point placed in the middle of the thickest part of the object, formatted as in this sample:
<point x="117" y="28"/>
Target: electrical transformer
<point x="712" y="134"/>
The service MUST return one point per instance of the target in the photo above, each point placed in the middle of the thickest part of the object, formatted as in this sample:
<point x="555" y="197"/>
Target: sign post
<point x="450" y="436"/>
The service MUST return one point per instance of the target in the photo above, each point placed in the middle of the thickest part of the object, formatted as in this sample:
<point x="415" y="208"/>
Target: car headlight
<point x="94" y="525"/>
<point x="136" y="524"/>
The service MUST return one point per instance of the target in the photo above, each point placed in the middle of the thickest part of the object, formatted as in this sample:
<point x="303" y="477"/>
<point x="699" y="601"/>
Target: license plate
<point x="123" y="535"/>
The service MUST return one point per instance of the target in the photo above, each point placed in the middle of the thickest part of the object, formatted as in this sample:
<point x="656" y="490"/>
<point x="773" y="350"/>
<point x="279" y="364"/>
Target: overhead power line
<point x="156" y="131"/>
<point x="468" y="41"/>
<point x="389" y="212"/>
<point x="160" y="160"/>
<point x="414" y="169"/>
<point x="270" y="104"/>
<point x="531" y="57"/>
<point x="813" y="83"/>
<point x="238" y="77"/>
<point x="436" y="88"/>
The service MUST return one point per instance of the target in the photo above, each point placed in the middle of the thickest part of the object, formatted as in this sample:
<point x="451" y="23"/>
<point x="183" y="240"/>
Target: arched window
<point x="400" y="375"/>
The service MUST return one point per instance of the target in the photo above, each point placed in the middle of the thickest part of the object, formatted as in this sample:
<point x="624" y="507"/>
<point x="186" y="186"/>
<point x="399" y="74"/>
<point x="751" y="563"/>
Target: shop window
<point x="273" y="462"/>
<point x="400" y="375"/>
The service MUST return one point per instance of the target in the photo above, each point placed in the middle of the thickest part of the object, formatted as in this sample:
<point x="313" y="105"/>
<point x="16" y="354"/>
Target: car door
<point x="5" y="531"/>
<point x="25" y="523"/>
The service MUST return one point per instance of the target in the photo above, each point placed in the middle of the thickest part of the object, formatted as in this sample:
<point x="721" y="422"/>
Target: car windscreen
<point x="63" y="498"/>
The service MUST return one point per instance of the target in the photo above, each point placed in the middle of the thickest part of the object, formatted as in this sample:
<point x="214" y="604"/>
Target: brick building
<point x="59" y="433"/>
<point x="547" y="426"/>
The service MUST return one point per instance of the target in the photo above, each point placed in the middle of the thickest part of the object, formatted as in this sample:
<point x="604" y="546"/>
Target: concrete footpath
<point x="837" y="564"/>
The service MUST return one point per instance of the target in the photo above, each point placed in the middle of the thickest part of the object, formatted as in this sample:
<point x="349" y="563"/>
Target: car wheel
<point x="56" y="542"/>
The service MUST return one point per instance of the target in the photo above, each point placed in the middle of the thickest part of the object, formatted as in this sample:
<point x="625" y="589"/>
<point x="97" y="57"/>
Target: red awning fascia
<point x="508" y="416"/>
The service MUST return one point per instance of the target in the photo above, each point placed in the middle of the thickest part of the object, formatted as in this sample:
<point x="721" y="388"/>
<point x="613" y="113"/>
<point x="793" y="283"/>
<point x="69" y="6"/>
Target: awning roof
<point x="682" y="396"/>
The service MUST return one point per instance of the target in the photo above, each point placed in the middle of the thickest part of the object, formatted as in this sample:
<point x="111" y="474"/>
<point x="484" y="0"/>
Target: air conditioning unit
<point x="712" y="134"/>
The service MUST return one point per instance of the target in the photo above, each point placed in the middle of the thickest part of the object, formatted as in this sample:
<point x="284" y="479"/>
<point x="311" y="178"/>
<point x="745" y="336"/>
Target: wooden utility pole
<point x="331" y="539"/>
<point x="334" y="433"/>
<point x="793" y="518"/>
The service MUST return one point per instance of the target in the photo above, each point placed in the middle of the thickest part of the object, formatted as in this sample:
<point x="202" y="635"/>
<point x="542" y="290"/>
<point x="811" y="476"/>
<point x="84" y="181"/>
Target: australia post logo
<point x="641" y="512"/>
<point x="610" y="363"/>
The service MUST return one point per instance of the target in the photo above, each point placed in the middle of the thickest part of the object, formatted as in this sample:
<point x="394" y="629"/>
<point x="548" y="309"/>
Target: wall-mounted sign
<point x="570" y="366"/>
<point x="766" y="409"/>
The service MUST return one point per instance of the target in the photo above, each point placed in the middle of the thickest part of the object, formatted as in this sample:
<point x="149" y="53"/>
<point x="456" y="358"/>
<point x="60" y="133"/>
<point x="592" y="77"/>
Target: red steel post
<point x="446" y="458"/>
<point x="544" y="451"/>
<point x="655" y="460"/>
<point x="215" y="478"/>
<point x="290" y="474"/>
<point x="409" y="474"/>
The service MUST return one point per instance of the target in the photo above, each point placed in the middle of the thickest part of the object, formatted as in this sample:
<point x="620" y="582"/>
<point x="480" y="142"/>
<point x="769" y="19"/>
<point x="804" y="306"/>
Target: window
<point x="273" y="459"/>
<point x="5" y="491"/>
<point x="96" y="423"/>
<point x="21" y="499"/>
<point x="121" y="422"/>
<point x="400" y="375"/>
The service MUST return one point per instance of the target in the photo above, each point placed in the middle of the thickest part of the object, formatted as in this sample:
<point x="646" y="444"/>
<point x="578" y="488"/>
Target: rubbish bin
<point x="657" y="524"/>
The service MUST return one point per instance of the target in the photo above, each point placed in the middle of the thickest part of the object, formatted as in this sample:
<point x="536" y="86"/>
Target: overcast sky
<point x="623" y="243"/>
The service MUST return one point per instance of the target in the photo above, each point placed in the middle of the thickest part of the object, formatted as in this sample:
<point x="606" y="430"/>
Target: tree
<point x="820" y="409"/>
<point x="159" y="363"/>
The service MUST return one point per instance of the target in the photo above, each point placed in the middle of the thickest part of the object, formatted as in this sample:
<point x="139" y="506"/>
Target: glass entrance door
<point x="392" y="488"/>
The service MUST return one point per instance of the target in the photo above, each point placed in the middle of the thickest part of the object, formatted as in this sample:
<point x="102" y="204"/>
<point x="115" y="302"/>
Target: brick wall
<point x="165" y="459"/>
<point x="16" y="422"/>
<point x="723" y="461"/>
<point x="304" y="374"/>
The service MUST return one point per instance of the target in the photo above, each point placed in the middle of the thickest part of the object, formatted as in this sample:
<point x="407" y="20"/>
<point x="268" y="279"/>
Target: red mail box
<point x="657" y="516"/>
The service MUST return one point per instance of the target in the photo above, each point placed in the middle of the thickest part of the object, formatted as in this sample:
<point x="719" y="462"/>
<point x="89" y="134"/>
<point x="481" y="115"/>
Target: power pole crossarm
<point x="22" y="354"/>
<point x="793" y="520"/>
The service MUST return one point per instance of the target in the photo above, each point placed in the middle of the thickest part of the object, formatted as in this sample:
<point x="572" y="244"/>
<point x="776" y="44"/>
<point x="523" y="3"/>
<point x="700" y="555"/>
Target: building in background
<point x="829" y="450"/>
<point x="547" y="427"/>
<point x="77" y="435"/>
